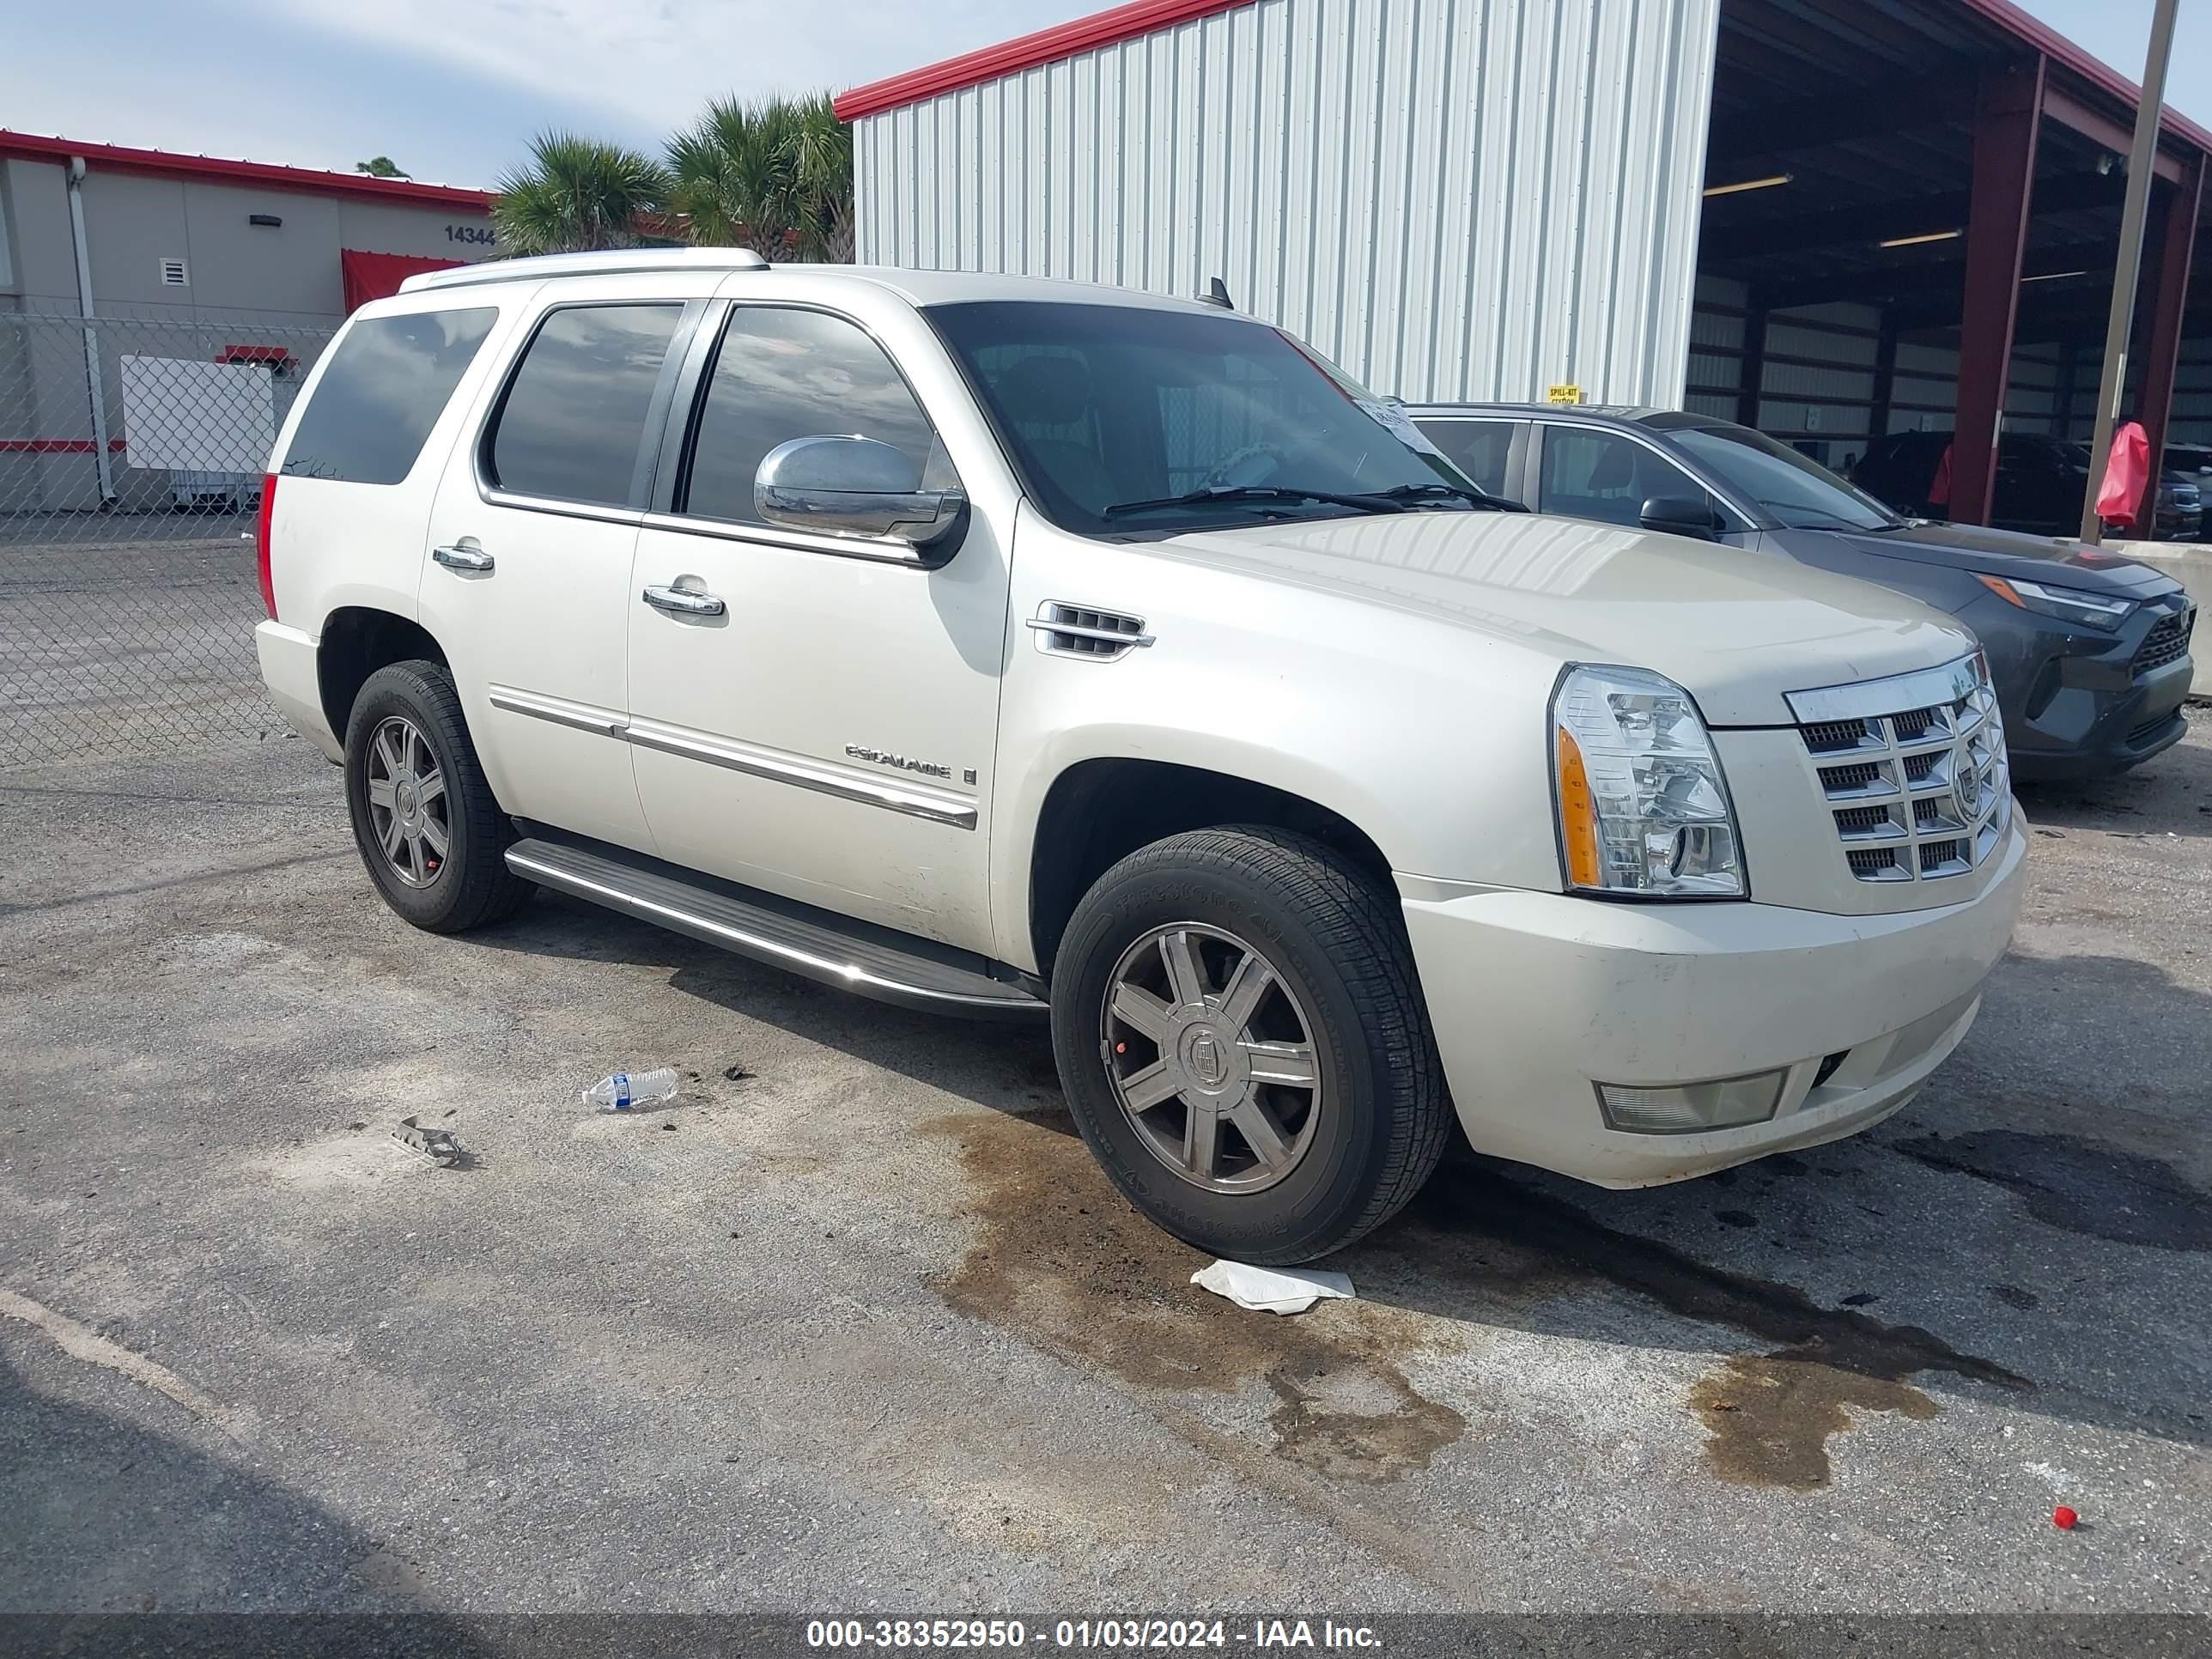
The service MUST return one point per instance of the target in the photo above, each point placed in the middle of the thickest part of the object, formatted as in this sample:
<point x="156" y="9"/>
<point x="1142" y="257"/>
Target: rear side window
<point x="386" y="385"/>
<point x="1479" y="448"/>
<point x="782" y="373"/>
<point x="573" y="421"/>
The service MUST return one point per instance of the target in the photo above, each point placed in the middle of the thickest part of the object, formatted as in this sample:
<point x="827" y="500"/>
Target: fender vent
<point x="1074" y="630"/>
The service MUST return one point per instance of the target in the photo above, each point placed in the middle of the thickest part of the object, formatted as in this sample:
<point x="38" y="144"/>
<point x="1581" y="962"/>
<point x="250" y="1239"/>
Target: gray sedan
<point x="2090" y="652"/>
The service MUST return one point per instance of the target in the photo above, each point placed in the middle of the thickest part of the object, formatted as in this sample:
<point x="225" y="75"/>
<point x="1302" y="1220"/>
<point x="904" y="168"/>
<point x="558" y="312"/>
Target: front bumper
<point x="1536" y="998"/>
<point x="2075" y="706"/>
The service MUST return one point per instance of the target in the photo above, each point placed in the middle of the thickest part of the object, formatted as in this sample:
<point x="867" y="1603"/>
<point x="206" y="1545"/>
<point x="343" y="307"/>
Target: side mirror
<point x="1682" y="515"/>
<point x="853" y="487"/>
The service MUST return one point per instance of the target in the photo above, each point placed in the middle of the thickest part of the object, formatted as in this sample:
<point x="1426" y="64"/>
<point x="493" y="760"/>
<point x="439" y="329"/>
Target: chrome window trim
<point x="913" y="799"/>
<point x="1921" y="688"/>
<point x="887" y="550"/>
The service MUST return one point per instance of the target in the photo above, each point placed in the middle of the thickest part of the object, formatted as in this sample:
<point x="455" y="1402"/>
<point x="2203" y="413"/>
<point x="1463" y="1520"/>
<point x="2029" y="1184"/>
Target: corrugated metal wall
<point x="1452" y="198"/>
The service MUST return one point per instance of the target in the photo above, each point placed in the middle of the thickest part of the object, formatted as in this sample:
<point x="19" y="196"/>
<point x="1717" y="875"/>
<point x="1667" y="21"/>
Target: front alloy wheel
<point x="1211" y="1054"/>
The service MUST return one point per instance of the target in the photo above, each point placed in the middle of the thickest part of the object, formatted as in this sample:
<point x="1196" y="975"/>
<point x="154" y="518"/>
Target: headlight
<point x="2066" y="604"/>
<point x="1643" y="807"/>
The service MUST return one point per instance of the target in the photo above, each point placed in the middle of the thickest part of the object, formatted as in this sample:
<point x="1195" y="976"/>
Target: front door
<point x="827" y="732"/>
<point x="532" y="538"/>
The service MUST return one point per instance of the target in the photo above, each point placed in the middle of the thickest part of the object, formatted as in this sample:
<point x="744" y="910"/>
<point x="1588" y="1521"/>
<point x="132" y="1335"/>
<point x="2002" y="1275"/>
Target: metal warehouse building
<point x="1832" y="219"/>
<point x="158" y="311"/>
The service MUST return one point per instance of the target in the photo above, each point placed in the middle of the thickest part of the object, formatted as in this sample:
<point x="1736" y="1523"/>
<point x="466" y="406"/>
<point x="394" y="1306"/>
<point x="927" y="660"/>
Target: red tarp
<point x="378" y="275"/>
<point x="2126" y="471"/>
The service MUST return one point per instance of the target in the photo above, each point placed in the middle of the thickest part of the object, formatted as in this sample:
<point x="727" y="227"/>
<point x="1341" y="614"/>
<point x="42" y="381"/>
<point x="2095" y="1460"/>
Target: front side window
<point x="1800" y="493"/>
<point x="1589" y="474"/>
<point x="781" y="374"/>
<point x="388" y="383"/>
<point x="572" y="423"/>
<point x="1481" y="449"/>
<point x="1128" y="418"/>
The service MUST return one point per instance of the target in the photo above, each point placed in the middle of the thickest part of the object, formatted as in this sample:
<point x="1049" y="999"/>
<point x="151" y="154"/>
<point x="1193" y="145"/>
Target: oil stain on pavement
<point x="1062" y="1258"/>
<point x="1768" y="1416"/>
<point x="2079" y="1186"/>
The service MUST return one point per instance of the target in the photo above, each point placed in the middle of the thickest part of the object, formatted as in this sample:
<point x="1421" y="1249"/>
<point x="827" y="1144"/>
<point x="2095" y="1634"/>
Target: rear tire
<point x="1272" y="1110"/>
<point x="433" y="838"/>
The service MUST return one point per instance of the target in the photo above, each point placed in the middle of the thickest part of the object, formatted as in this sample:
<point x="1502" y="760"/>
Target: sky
<point x="452" y="89"/>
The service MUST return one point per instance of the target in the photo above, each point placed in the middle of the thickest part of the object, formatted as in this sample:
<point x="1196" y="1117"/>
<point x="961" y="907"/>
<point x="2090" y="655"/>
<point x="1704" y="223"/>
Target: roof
<point x="1618" y="414"/>
<point x="1126" y="22"/>
<point x="917" y="288"/>
<point x="266" y="175"/>
<point x="1103" y="28"/>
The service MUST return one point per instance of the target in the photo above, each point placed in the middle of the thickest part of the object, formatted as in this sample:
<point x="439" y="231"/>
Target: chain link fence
<point x="131" y="453"/>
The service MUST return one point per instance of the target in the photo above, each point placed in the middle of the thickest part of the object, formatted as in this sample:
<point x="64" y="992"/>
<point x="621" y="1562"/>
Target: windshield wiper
<point x="1234" y="492"/>
<point x="1430" y="492"/>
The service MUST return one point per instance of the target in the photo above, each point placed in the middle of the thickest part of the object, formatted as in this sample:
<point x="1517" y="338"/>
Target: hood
<point x="2059" y="559"/>
<point x="1737" y="629"/>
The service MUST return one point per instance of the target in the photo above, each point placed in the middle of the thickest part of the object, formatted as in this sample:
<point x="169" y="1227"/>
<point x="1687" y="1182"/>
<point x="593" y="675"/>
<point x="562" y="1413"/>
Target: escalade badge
<point x="901" y="763"/>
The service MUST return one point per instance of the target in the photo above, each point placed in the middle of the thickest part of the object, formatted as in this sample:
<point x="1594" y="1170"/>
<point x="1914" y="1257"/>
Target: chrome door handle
<point x="683" y="602"/>
<point x="462" y="558"/>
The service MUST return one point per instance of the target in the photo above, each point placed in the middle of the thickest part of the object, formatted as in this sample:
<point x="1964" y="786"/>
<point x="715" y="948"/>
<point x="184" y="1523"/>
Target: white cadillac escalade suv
<point x="1013" y="648"/>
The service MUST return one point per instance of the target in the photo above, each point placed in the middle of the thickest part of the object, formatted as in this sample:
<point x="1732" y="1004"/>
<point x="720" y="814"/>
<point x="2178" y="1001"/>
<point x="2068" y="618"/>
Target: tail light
<point x="261" y="542"/>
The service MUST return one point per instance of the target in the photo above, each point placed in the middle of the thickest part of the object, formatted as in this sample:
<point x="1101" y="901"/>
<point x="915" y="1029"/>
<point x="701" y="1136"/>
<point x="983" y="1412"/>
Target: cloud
<point x="658" y="62"/>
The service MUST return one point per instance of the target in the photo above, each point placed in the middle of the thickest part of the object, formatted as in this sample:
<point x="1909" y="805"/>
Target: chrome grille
<point x="1917" y="783"/>
<point x="2167" y="641"/>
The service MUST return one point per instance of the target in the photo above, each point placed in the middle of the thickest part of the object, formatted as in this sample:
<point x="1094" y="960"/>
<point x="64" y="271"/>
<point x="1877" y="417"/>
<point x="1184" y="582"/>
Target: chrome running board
<point x="875" y="961"/>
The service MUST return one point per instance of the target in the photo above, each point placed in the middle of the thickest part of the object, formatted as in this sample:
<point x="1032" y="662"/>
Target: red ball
<point x="2063" y="1518"/>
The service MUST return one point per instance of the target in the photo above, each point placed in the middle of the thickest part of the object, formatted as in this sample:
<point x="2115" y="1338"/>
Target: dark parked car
<point x="2039" y="486"/>
<point x="2090" y="652"/>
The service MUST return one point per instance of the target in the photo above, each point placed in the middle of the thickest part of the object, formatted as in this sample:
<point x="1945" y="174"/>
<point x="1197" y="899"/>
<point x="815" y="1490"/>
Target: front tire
<point x="1241" y="1033"/>
<point x="432" y="836"/>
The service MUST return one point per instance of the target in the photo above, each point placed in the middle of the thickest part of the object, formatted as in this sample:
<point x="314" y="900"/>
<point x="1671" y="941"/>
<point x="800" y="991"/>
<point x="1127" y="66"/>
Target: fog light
<point x="1685" y="1108"/>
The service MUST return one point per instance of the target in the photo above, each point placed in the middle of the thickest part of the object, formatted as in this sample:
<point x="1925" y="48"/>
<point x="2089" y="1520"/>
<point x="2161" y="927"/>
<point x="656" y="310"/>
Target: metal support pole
<point x="2007" y="119"/>
<point x="2140" y="155"/>
<point x="95" y="389"/>
<point x="2162" y="349"/>
<point x="1751" y="366"/>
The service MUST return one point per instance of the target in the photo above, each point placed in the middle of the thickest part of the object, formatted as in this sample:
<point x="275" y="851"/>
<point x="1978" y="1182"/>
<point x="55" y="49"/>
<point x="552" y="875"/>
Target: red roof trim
<point x="1103" y="28"/>
<point x="35" y="147"/>
<point x="1108" y="28"/>
<point x="2082" y="61"/>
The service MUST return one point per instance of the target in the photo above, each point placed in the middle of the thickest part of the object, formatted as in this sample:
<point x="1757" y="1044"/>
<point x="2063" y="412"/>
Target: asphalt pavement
<point x="853" y="1324"/>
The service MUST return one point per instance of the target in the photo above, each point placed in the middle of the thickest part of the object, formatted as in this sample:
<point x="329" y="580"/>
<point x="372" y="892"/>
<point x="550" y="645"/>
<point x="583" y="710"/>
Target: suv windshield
<point x="1800" y="493"/>
<point x="1129" y="418"/>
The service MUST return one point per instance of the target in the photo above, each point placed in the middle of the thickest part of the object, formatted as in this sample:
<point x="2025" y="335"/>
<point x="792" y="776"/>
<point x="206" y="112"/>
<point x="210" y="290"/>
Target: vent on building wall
<point x="174" y="273"/>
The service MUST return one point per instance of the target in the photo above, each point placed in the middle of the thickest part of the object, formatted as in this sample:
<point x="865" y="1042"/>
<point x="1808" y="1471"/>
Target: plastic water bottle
<point x="625" y="1091"/>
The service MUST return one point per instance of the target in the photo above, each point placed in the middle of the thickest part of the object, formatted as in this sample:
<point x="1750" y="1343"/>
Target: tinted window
<point x="1112" y="410"/>
<point x="574" y="413"/>
<point x="1801" y="493"/>
<point x="385" y="388"/>
<point x="1589" y="474"/>
<point x="1479" y="448"/>
<point x="782" y="374"/>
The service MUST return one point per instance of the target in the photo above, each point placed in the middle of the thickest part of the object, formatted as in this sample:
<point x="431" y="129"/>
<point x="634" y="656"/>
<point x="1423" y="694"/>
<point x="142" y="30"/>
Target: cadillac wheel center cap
<point x="1206" y="1059"/>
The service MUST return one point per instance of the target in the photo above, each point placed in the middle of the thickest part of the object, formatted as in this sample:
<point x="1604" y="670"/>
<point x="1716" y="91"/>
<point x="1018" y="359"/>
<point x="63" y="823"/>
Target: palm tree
<point x="576" y="194"/>
<point x="776" y="176"/>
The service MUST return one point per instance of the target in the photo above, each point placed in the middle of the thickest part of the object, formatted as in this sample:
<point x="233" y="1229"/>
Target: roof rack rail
<point x="606" y="262"/>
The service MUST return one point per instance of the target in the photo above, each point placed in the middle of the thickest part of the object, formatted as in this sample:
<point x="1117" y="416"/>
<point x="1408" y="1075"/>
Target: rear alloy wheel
<point x="1241" y="1033"/>
<point x="433" y="838"/>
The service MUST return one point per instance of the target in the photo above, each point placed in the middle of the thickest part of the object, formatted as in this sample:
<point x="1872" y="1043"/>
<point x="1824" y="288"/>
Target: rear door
<point x="826" y="734"/>
<point x="530" y="542"/>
